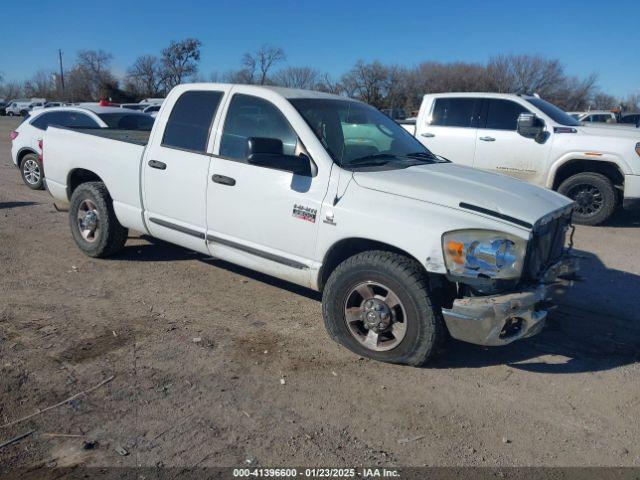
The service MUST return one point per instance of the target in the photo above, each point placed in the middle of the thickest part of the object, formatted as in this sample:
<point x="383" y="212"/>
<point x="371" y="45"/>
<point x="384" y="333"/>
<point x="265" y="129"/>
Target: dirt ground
<point x="214" y="365"/>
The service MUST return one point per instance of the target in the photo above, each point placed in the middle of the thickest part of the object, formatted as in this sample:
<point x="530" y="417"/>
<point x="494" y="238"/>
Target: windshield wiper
<point x="370" y="160"/>
<point x="422" y="156"/>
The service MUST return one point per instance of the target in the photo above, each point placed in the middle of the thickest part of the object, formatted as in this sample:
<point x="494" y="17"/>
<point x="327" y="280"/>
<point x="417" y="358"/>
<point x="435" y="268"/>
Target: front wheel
<point x="378" y="305"/>
<point x="10" y="114"/>
<point x="93" y="222"/>
<point x="594" y="195"/>
<point x="31" y="171"/>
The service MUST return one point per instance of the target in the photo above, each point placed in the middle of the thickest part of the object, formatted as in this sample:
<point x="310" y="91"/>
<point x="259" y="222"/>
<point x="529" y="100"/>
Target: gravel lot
<point x="216" y="365"/>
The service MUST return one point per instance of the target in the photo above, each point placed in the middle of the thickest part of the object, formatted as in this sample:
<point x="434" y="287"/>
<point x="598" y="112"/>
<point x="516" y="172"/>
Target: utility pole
<point x="61" y="70"/>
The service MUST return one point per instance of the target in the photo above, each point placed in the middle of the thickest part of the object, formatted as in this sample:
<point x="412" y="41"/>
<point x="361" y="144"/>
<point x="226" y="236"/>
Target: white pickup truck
<point x="531" y="139"/>
<point x="327" y="193"/>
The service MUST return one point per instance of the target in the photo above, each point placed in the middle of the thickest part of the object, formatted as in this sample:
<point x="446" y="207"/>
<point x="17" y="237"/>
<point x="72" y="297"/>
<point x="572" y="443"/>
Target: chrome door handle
<point x="157" y="164"/>
<point x="487" y="139"/>
<point x="428" y="135"/>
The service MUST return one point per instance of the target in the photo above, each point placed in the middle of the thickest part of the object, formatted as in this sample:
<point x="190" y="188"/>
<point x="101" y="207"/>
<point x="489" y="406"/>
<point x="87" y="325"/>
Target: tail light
<point x="40" y="156"/>
<point x="13" y="135"/>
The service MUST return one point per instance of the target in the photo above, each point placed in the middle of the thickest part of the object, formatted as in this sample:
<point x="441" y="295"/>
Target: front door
<point x="176" y="168"/>
<point x="262" y="217"/>
<point x="501" y="149"/>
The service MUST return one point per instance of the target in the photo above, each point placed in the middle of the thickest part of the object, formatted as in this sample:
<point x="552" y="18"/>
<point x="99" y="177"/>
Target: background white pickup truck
<point x="330" y="194"/>
<point x="598" y="167"/>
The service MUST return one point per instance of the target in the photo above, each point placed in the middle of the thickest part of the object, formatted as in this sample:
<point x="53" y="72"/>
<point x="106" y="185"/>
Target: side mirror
<point x="531" y="126"/>
<point x="267" y="152"/>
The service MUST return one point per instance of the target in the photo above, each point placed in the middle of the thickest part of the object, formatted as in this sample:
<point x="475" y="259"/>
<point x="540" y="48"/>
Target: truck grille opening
<point x="547" y="245"/>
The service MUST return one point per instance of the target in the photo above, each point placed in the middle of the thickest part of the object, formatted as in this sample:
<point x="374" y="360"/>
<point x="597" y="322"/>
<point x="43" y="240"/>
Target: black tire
<point x="10" y="114"/>
<point x="425" y="330"/>
<point x="594" y="194"/>
<point x="32" y="172"/>
<point x="111" y="236"/>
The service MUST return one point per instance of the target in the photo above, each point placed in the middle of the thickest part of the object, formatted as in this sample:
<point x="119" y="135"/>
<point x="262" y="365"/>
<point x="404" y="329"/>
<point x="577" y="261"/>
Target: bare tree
<point x="256" y="66"/>
<point x="144" y="78"/>
<point x="243" y="76"/>
<point x="329" y="85"/>
<point x="40" y="85"/>
<point x="11" y="90"/>
<point x="180" y="61"/>
<point x="90" y="73"/>
<point x="525" y="74"/>
<point x="368" y="82"/>
<point x="297" y="77"/>
<point x="603" y="101"/>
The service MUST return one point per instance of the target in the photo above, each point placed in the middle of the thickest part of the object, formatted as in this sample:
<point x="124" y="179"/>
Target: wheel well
<point x="347" y="248"/>
<point x="78" y="177"/>
<point x="608" y="169"/>
<point x="24" y="153"/>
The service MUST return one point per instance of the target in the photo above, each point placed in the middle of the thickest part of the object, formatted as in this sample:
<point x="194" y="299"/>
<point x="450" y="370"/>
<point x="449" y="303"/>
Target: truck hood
<point x="449" y="185"/>
<point x="612" y="131"/>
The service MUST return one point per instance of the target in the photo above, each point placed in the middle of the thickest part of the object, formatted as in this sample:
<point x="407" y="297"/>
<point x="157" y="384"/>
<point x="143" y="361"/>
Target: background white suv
<point x="26" y="148"/>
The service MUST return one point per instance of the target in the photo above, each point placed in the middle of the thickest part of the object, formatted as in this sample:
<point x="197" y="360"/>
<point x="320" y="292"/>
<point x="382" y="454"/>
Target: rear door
<point x="450" y="128"/>
<point x="176" y="167"/>
<point x="501" y="149"/>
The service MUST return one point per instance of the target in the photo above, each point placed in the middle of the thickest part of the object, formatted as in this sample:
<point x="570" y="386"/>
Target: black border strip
<point x="173" y="226"/>
<point x="501" y="216"/>
<point x="259" y="253"/>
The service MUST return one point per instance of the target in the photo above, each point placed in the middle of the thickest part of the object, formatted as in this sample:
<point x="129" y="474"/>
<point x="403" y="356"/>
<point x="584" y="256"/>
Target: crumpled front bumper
<point x="500" y="319"/>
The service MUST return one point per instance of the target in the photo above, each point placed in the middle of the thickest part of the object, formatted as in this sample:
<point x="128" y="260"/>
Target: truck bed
<point x="114" y="156"/>
<point x="137" y="137"/>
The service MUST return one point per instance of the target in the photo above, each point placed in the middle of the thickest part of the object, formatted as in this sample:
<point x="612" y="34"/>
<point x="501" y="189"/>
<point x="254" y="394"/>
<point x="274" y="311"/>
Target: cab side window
<point x="503" y="114"/>
<point x="250" y="116"/>
<point x="455" y="112"/>
<point x="190" y="120"/>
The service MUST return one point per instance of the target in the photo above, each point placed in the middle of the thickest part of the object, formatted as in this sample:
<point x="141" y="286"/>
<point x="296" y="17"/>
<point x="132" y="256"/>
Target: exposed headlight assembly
<point x="483" y="253"/>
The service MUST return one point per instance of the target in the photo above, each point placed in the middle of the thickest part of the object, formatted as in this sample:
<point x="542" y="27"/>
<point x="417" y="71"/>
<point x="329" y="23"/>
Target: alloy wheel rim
<point x="588" y="199"/>
<point x="31" y="171"/>
<point x="375" y="316"/>
<point x="88" y="220"/>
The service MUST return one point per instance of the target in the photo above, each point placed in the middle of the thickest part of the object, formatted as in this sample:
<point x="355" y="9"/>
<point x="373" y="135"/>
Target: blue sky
<point x="330" y="35"/>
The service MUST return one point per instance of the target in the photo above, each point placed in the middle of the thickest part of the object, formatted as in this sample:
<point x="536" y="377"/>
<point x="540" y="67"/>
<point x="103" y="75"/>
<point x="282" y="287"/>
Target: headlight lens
<point x="483" y="253"/>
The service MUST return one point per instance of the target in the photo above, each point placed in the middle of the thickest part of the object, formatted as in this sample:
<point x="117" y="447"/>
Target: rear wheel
<point x="594" y="194"/>
<point x="31" y="171"/>
<point x="94" y="225"/>
<point x="378" y="305"/>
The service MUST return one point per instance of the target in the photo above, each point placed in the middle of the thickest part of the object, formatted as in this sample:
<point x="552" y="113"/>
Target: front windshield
<point x="357" y="135"/>
<point x="556" y="114"/>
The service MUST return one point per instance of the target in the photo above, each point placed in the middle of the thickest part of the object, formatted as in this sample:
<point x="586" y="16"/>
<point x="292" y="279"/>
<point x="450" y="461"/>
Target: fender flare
<point x="572" y="156"/>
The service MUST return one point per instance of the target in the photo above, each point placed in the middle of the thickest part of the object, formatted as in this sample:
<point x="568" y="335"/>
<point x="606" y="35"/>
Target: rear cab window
<point x="190" y="121"/>
<point x="455" y="112"/>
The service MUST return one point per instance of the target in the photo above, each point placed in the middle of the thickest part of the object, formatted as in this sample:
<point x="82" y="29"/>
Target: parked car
<point x="25" y="146"/>
<point x="595" y="116"/>
<point x="395" y="113"/>
<point x="152" y="101"/>
<point x="331" y="194"/>
<point x="152" y="110"/>
<point x="531" y="139"/>
<point x="18" y="107"/>
<point x="47" y="105"/>
<point x="133" y="106"/>
<point x="632" y="119"/>
<point x="3" y="106"/>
